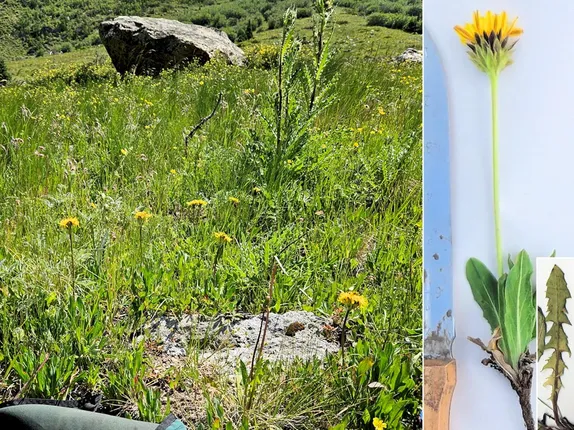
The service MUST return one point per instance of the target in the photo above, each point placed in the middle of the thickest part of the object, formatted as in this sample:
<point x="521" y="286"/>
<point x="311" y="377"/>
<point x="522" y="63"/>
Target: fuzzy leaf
<point x="557" y="294"/>
<point x="484" y="289"/>
<point x="519" y="310"/>
<point x="541" y="333"/>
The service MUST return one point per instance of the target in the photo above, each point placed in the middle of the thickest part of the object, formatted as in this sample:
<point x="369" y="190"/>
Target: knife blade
<point x="439" y="331"/>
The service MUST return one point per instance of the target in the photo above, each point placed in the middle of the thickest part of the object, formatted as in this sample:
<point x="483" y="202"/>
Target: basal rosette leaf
<point x="542" y="333"/>
<point x="519" y="309"/>
<point x="557" y="294"/>
<point x="484" y="287"/>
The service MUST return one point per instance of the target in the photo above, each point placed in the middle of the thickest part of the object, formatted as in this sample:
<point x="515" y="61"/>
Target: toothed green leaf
<point x="541" y="333"/>
<point x="557" y="294"/>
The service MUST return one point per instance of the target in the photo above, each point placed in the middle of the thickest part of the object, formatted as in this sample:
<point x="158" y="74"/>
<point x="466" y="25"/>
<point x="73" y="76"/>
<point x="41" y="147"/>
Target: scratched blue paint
<point x="437" y="258"/>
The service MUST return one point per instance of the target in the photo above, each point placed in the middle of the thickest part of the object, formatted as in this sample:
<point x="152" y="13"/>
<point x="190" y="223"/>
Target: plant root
<point x="520" y="381"/>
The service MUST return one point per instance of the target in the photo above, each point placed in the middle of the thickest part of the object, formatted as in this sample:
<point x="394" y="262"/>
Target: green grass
<point x="344" y="214"/>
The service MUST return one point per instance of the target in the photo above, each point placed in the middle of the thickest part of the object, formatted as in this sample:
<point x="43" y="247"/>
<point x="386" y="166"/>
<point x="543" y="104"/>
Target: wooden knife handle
<point x="439" y="383"/>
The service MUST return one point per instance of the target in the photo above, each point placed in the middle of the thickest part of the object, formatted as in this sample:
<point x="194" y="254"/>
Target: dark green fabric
<point x="43" y="417"/>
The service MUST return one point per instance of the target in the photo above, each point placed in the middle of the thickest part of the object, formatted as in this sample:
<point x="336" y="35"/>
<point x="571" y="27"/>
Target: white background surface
<point x="537" y="179"/>
<point x="543" y="268"/>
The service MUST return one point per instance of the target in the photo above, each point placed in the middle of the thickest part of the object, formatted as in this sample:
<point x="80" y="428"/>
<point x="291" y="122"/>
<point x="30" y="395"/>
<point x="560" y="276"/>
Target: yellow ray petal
<point x="502" y="22"/>
<point x="477" y="21"/>
<point x="465" y="36"/>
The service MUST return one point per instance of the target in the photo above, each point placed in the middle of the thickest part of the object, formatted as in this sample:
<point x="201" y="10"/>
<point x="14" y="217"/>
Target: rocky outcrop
<point x="225" y="339"/>
<point x="412" y="55"/>
<point x="146" y="46"/>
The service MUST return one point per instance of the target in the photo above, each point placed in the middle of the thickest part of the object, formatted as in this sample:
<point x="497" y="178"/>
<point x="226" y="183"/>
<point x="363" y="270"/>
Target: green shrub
<point x="396" y="21"/>
<point x="4" y="74"/>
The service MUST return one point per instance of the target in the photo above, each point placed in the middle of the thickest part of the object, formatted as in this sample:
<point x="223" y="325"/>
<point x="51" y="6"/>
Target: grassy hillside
<point x="352" y="36"/>
<point x="34" y="27"/>
<point x="335" y="196"/>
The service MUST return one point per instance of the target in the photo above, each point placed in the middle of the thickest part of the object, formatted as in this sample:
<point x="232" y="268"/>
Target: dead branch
<point x="201" y="122"/>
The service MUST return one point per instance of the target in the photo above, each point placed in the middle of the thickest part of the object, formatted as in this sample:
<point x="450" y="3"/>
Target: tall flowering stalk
<point x="489" y="39"/>
<point x="507" y="301"/>
<point x="142" y="217"/>
<point x="69" y="224"/>
<point x="350" y="300"/>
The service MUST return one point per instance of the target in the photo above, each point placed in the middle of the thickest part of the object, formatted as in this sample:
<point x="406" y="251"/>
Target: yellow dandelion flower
<point x="197" y="202"/>
<point x="360" y="130"/>
<point x="378" y="424"/>
<point x="234" y="200"/>
<point x="256" y="190"/>
<point x="356" y="144"/>
<point x="173" y="171"/>
<point x="69" y="222"/>
<point x="142" y="216"/>
<point x="124" y="151"/>
<point x="489" y="39"/>
<point x="201" y="82"/>
<point x="93" y="205"/>
<point x="350" y="298"/>
<point x="222" y="237"/>
<point x="381" y="111"/>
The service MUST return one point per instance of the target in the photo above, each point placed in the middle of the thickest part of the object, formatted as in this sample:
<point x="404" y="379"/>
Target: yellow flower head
<point x="381" y="110"/>
<point x="124" y="151"/>
<point x="256" y="190"/>
<point x="222" y="237"/>
<point x="142" y="216"/>
<point x="173" y="171"/>
<point x="69" y="223"/>
<point x="350" y="298"/>
<point x="234" y="200"/>
<point x="378" y="424"/>
<point x="489" y="39"/>
<point x="197" y="202"/>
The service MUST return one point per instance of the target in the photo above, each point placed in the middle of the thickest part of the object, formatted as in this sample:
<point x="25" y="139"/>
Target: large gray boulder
<point x="146" y="46"/>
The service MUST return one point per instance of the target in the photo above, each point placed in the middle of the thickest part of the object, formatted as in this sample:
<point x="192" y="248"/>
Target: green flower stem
<point x="495" y="170"/>
<point x="71" y="236"/>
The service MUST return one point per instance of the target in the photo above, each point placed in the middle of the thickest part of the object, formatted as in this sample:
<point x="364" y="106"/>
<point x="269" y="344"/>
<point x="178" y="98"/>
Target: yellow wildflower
<point x="256" y="190"/>
<point x="142" y="216"/>
<point x="197" y="202"/>
<point x="356" y="144"/>
<point x="381" y="111"/>
<point x="69" y="222"/>
<point x="124" y="151"/>
<point x="173" y="171"/>
<point x="488" y="38"/>
<point x="222" y="237"/>
<point x="353" y="299"/>
<point x="234" y="200"/>
<point x="378" y="424"/>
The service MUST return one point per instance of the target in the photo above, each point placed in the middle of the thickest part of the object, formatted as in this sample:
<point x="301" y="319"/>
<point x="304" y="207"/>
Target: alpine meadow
<point x="237" y="245"/>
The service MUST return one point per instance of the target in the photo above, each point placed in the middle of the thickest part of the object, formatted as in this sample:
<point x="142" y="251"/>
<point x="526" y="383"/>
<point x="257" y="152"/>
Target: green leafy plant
<point x="509" y="306"/>
<point x="507" y="301"/>
<point x="557" y="294"/>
